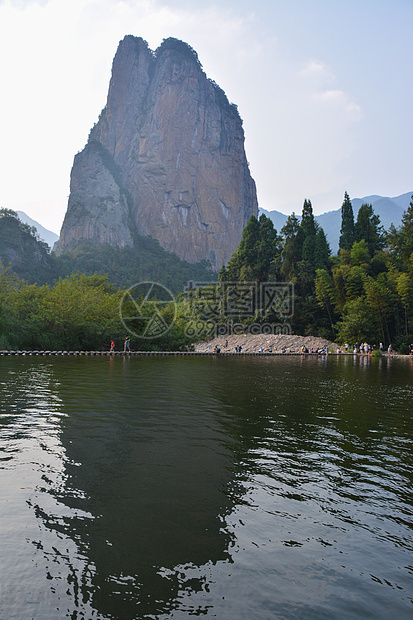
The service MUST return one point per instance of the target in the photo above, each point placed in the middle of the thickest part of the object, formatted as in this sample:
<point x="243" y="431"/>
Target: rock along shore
<point x="269" y="343"/>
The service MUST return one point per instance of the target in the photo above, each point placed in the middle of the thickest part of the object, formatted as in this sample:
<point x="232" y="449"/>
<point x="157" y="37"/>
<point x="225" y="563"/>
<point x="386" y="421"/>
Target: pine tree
<point x="268" y="249"/>
<point x="347" y="231"/>
<point x="308" y="232"/>
<point x="256" y="254"/>
<point x="307" y="219"/>
<point x="321" y="250"/>
<point x="245" y="255"/>
<point x="368" y="227"/>
<point x="293" y="247"/>
<point x="406" y="232"/>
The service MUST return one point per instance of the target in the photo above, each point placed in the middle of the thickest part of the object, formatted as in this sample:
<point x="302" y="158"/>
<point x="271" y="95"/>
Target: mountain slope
<point x="27" y="257"/>
<point x="45" y="235"/>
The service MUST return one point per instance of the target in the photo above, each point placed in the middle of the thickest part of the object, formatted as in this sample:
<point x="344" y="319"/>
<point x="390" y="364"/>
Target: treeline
<point x="365" y="292"/>
<point x="78" y="312"/>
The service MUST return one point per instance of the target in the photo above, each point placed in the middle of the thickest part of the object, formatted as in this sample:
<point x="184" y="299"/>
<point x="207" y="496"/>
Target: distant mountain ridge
<point x="390" y="211"/>
<point x="45" y="235"/>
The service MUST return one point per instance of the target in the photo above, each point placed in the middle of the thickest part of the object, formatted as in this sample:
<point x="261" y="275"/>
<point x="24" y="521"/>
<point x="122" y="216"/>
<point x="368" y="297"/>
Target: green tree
<point x="354" y="282"/>
<point x="360" y="254"/>
<point x="405" y="292"/>
<point x="308" y="230"/>
<point x="242" y="263"/>
<point x="8" y="285"/>
<point x="369" y="229"/>
<point x="268" y="249"/>
<point x="381" y="300"/>
<point x="293" y="246"/>
<point x="325" y="293"/>
<point x="406" y="233"/>
<point x="347" y="231"/>
<point x="308" y="224"/>
<point x="322" y="250"/>
<point x="257" y="255"/>
<point x="358" y="323"/>
<point x="339" y="273"/>
<point x="401" y="239"/>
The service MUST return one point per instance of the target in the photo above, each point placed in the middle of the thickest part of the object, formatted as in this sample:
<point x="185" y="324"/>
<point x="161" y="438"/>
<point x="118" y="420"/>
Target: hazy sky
<point x="324" y="87"/>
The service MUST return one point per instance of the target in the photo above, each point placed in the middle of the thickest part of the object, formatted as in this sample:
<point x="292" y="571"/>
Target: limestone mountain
<point x="166" y="159"/>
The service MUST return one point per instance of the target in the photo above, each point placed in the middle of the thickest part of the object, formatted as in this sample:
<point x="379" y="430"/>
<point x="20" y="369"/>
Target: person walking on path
<point x="126" y="347"/>
<point x="112" y="346"/>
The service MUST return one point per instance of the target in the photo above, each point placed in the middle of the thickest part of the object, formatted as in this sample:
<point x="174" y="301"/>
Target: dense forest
<point x="364" y="293"/>
<point x="78" y="312"/>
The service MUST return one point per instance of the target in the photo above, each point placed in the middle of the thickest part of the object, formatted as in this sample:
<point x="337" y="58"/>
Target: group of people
<point x="363" y="348"/>
<point x="366" y="349"/>
<point x="217" y="348"/>
<point x="126" y="345"/>
<point x="317" y="351"/>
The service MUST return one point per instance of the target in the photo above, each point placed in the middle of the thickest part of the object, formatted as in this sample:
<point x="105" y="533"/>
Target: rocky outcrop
<point x="268" y="343"/>
<point x="98" y="207"/>
<point x="166" y="159"/>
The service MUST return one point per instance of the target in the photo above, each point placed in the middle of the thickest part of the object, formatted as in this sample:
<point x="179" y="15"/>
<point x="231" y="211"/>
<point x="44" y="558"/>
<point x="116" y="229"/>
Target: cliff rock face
<point x="165" y="159"/>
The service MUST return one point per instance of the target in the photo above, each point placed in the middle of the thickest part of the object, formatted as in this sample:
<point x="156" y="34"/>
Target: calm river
<point x="233" y="488"/>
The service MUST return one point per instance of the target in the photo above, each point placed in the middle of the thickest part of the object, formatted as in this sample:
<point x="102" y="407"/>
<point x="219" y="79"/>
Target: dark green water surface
<point x="232" y="488"/>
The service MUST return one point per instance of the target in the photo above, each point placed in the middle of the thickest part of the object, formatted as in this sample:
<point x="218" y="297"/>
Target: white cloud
<point x="340" y="101"/>
<point x="317" y="71"/>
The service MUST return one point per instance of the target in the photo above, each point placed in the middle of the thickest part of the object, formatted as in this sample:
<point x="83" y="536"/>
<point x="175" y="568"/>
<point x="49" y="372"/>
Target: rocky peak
<point x="165" y="159"/>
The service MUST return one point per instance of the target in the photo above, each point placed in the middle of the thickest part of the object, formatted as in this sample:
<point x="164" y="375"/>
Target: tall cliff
<point x="166" y="159"/>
